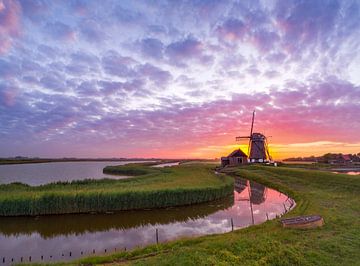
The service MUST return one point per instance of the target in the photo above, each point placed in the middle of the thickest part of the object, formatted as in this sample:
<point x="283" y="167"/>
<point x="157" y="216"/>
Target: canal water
<point x="67" y="237"/>
<point x="349" y="171"/>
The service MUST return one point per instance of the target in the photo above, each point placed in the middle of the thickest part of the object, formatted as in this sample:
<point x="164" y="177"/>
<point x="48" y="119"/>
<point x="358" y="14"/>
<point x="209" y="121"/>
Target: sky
<point x="178" y="79"/>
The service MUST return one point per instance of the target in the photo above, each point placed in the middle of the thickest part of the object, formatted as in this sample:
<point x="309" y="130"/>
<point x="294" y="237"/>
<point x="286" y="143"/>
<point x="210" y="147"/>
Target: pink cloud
<point x="8" y="96"/>
<point x="10" y="15"/>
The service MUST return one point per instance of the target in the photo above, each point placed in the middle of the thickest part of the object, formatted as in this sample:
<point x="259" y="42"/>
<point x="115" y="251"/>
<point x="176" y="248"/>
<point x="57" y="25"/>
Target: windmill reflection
<point x="250" y="190"/>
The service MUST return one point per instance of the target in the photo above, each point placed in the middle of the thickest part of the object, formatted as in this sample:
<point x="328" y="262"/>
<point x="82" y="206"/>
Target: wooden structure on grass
<point x="309" y="221"/>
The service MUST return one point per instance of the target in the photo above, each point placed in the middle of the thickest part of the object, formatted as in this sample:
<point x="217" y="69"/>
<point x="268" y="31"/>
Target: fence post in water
<point x="21" y="259"/>
<point x="232" y="224"/>
<point x="157" y="236"/>
<point x="3" y="259"/>
<point x="93" y="251"/>
<point x="70" y="254"/>
<point x="267" y="217"/>
<point x="42" y="257"/>
<point x="30" y="258"/>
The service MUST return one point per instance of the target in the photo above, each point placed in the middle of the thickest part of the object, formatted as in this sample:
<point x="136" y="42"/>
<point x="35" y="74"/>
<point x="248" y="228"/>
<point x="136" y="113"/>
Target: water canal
<point x="349" y="171"/>
<point x="67" y="237"/>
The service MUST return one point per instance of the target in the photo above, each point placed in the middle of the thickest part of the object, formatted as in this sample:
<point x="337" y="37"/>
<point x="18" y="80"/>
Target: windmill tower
<point x="258" y="150"/>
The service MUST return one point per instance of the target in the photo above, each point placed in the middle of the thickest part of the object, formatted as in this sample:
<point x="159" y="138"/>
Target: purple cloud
<point x="186" y="48"/>
<point x="8" y="69"/>
<point x="153" y="73"/>
<point x="152" y="48"/>
<point x="118" y="73"/>
<point x="232" y="30"/>
<point x="60" y="31"/>
<point x="115" y="64"/>
<point x="92" y="32"/>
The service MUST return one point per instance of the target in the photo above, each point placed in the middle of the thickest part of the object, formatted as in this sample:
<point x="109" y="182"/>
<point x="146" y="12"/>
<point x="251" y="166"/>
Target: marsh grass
<point x="153" y="188"/>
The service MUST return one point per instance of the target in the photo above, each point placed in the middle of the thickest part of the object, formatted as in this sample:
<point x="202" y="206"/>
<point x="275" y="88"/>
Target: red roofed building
<point x="346" y="158"/>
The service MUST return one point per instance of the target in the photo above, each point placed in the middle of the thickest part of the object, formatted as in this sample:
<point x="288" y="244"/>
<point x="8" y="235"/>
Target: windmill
<point x="258" y="150"/>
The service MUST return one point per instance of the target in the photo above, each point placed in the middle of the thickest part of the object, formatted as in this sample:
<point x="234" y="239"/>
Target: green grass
<point x="154" y="188"/>
<point x="334" y="196"/>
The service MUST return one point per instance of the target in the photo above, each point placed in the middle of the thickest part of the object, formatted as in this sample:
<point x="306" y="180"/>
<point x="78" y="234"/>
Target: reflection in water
<point x="53" y="225"/>
<point x="57" y="236"/>
<point x="348" y="172"/>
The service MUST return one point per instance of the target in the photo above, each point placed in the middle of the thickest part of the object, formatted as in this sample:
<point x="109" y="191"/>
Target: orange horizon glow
<point x="282" y="151"/>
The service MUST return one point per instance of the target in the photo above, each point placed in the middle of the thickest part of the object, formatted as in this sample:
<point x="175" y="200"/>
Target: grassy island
<point x="151" y="188"/>
<point x="334" y="196"/>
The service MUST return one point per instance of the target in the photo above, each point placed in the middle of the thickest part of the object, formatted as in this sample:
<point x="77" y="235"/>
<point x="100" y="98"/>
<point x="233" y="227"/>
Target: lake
<point x="42" y="173"/>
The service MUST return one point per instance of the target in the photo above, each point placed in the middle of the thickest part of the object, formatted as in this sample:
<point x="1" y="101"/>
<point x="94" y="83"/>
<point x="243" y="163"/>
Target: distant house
<point x="345" y="158"/>
<point x="341" y="159"/>
<point x="237" y="157"/>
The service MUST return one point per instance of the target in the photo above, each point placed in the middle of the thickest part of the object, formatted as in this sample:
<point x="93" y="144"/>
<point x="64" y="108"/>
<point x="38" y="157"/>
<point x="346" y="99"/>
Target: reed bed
<point x="153" y="188"/>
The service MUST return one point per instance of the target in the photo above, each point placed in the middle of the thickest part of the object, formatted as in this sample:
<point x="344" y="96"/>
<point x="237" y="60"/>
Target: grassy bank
<point x="334" y="196"/>
<point x="153" y="188"/>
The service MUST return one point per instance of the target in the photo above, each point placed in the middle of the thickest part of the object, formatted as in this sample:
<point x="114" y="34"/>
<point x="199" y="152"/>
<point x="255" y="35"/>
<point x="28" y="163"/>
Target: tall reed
<point x="158" y="188"/>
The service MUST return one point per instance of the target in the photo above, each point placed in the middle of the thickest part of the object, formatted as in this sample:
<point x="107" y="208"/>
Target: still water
<point x="66" y="237"/>
<point x="42" y="173"/>
<point x="162" y="165"/>
<point x="349" y="171"/>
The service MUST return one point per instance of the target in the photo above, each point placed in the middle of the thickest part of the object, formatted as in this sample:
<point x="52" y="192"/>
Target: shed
<point x="237" y="157"/>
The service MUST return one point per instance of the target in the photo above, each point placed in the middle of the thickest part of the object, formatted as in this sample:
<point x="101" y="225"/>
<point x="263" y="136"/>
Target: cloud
<point x="10" y="23"/>
<point x="60" y="31"/>
<point x="176" y="76"/>
<point x="231" y="30"/>
<point x="117" y="65"/>
<point x="152" y="48"/>
<point x="53" y="81"/>
<point x="35" y="10"/>
<point x="92" y="32"/>
<point x="180" y="52"/>
<point x="155" y="74"/>
<point x="8" y="69"/>
<point x="186" y="48"/>
<point x="127" y="16"/>
<point x="8" y="95"/>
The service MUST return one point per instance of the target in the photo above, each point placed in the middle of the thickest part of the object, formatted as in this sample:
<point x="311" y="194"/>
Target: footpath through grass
<point x="153" y="188"/>
<point x="334" y="196"/>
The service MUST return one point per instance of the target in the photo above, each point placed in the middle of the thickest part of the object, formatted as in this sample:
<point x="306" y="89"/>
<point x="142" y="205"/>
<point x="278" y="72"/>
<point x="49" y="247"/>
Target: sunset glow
<point x="174" y="79"/>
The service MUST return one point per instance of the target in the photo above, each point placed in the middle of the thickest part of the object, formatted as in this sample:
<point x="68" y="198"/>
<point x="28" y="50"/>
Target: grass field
<point x="334" y="196"/>
<point x="153" y="188"/>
